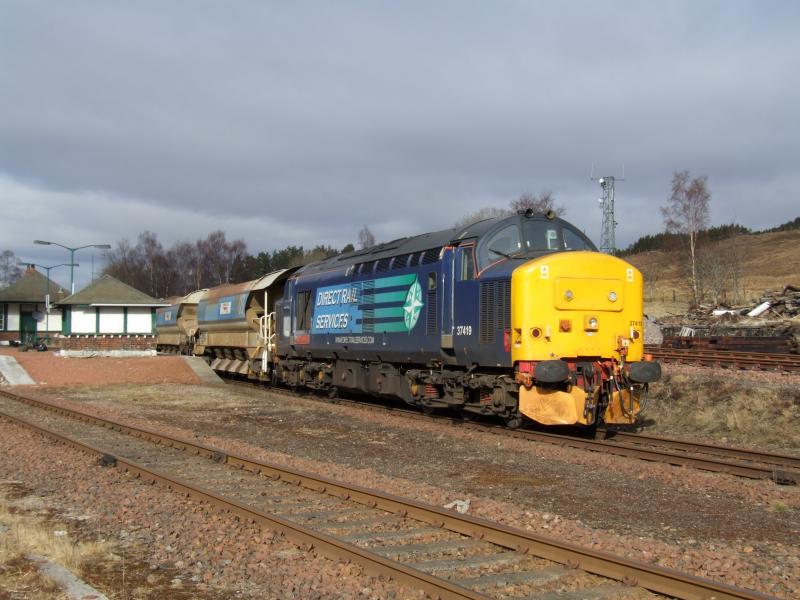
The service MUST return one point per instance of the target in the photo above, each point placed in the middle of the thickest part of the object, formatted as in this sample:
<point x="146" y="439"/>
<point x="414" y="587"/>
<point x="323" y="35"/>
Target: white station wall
<point x="84" y="320"/>
<point x="51" y="322"/>
<point x="112" y="319"/>
<point x="54" y="321"/>
<point x="140" y="320"/>
<point x="12" y="324"/>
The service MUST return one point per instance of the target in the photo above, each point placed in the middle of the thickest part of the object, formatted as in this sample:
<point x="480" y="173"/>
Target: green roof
<point x="110" y="291"/>
<point x="31" y="288"/>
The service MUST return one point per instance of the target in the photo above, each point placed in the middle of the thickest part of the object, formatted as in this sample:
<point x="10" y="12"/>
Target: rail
<point x="727" y="359"/>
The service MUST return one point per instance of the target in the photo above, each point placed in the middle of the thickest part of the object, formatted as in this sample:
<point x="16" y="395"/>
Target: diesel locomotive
<point x="518" y="317"/>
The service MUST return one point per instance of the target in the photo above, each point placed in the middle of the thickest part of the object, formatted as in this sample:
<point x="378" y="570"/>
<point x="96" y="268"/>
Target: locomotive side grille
<point x="505" y="295"/>
<point x="430" y="256"/>
<point x="430" y="317"/>
<point x="401" y="261"/>
<point x="495" y="309"/>
<point x="383" y="265"/>
<point x="485" y="329"/>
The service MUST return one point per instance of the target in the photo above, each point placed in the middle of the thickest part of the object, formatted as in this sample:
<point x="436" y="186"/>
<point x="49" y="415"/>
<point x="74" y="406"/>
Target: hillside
<point x="764" y="261"/>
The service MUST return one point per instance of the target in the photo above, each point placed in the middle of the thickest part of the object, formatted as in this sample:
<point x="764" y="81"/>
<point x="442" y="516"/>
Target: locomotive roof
<point x="417" y="243"/>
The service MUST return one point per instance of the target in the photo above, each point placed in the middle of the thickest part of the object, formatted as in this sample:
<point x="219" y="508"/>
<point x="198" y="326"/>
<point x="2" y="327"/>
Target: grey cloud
<point x="402" y="115"/>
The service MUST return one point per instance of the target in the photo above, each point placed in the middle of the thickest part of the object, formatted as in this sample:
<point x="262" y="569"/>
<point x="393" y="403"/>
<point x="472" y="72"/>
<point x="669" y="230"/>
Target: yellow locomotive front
<point x="578" y="339"/>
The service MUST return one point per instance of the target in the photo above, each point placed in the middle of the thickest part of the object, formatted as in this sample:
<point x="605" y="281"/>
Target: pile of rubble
<point x="776" y="314"/>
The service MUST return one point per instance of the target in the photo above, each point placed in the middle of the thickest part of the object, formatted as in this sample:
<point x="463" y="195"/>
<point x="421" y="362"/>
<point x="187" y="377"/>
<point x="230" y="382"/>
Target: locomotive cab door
<point x="447" y="290"/>
<point x="464" y="302"/>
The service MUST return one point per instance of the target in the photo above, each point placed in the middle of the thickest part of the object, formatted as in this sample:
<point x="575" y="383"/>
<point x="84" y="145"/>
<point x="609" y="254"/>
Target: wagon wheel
<point x="514" y="420"/>
<point x="464" y="414"/>
<point x="333" y="393"/>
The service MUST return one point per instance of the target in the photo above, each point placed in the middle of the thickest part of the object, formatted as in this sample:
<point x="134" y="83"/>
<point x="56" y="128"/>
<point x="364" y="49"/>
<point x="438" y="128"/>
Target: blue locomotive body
<point x="426" y="319"/>
<point x="518" y="317"/>
<point x="409" y="308"/>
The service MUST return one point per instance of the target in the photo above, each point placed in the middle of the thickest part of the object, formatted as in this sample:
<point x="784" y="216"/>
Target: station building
<point x="26" y="308"/>
<point x="108" y="315"/>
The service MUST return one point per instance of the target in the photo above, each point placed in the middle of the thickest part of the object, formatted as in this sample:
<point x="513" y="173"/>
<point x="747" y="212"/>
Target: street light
<point x="47" y="288"/>
<point x="72" y="257"/>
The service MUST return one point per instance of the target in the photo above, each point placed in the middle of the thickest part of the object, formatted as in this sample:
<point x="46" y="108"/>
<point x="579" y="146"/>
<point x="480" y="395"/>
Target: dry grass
<point x="25" y="533"/>
<point x="735" y="411"/>
<point x="767" y="261"/>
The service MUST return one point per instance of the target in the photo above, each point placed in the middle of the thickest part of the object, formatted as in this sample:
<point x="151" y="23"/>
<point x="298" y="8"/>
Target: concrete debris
<point x="461" y="506"/>
<point x="758" y="310"/>
<point x="775" y="314"/>
<point x="74" y="587"/>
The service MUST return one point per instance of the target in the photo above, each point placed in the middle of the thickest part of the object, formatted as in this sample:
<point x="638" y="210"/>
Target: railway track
<point x="783" y="469"/>
<point x="446" y="554"/>
<point x="752" y="464"/>
<point x="728" y="359"/>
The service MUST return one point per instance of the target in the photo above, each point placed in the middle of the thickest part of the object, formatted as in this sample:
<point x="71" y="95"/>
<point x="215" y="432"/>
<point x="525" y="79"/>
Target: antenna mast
<point x="607" y="242"/>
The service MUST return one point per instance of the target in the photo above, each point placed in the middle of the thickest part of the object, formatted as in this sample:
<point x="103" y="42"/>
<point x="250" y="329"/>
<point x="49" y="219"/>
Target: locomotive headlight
<point x="590" y="323"/>
<point x="568" y="295"/>
<point x="612" y="296"/>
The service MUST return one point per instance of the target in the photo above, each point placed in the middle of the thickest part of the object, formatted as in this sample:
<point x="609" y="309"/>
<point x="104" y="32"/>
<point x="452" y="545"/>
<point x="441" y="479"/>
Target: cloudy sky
<point x="299" y="122"/>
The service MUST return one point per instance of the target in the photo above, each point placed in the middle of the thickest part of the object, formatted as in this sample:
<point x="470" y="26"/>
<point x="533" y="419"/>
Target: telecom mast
<point x="607" y="242"/>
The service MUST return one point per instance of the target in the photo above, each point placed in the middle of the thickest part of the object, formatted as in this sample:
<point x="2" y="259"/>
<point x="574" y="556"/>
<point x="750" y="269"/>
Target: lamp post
<point x="72" y="257"/>
<point x="47" y="289"/>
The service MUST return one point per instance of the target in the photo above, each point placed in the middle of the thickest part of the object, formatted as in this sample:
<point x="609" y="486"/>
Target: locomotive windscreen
<point x="552" y="236"/>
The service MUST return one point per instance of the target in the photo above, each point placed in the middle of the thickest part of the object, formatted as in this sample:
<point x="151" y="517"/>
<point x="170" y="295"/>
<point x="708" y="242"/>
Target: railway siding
<point x="759" y="361"/>
<point x="782" y="469"/>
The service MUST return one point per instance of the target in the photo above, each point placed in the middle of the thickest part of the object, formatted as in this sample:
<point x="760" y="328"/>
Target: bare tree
<point x="10" y="271"/>
<point x="365" y="238"/>
<point x="686" y="212"/>
<point x="158" y="270"/>
<point x="181" y="269"/>
<point x="220" y="255"/>
<point x="538" y="203"/>
<point x="124" y="263"/>
<point x="487" y="212"/>
<point x="183" y="258"/>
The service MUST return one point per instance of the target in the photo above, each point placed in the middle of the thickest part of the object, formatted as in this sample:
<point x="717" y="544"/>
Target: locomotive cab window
<point x="541" y="236"/>
<point x="467" y="264"/>
<point x="303" y="309"/>
<point x="573" y="240"/>
<point x="500" y="244"/>
<point x="286" y="321"/>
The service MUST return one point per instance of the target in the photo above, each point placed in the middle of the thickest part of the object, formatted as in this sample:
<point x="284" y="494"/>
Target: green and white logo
<point x="413" y="305"/>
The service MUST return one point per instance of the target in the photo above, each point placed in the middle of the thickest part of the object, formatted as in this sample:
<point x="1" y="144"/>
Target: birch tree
<point x="686" y="213"/>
